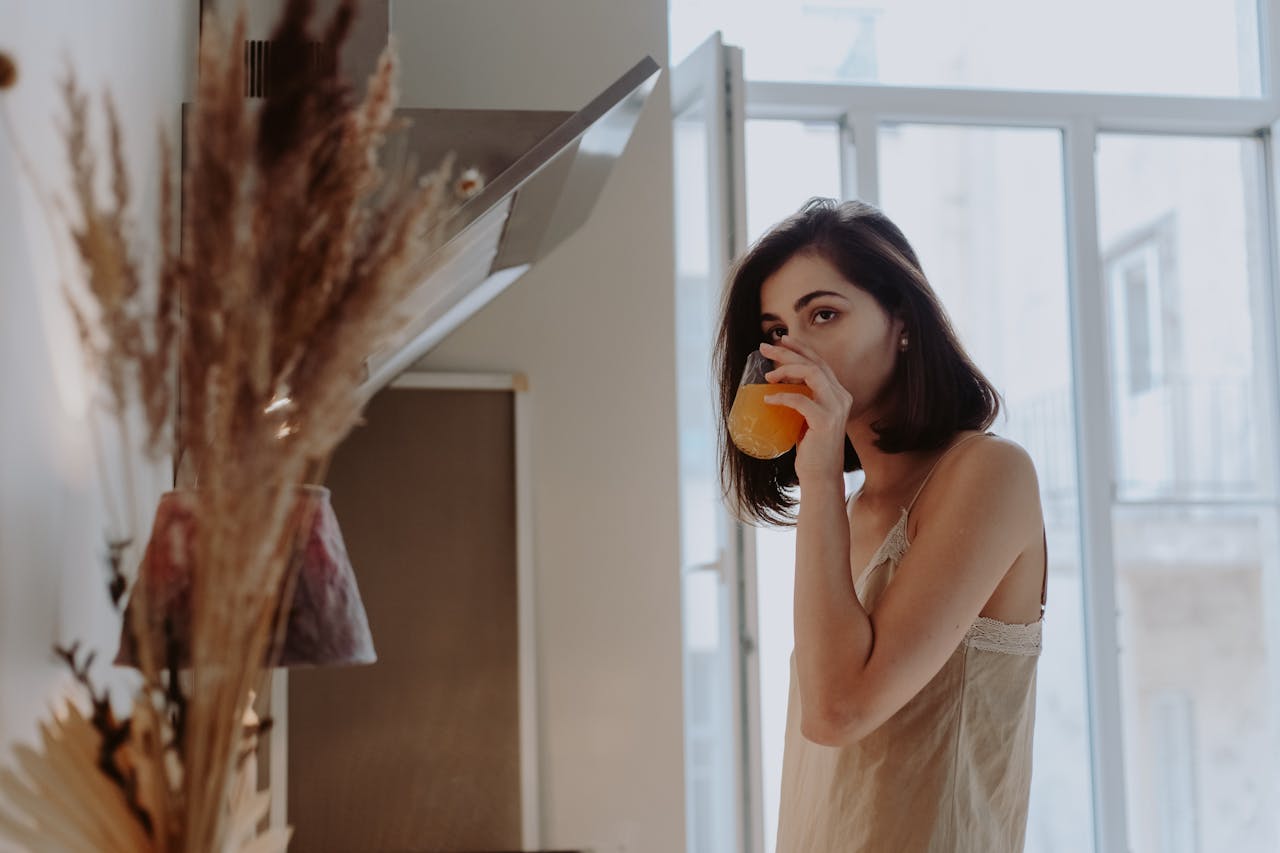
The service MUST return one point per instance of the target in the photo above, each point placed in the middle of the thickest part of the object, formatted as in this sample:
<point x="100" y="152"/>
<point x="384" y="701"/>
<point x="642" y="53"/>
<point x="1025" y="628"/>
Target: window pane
<point x="1183" y="47"/>
<point x="1196" y="677"/>
<point x="1184" y="278"/>
<point x="984" y="210"/>
<point x="787" y="163"/>
<point x="1195" y="570"/>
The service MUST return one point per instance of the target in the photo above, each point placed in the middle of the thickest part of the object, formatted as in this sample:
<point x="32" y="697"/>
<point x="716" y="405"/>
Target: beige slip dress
<point x="950" y="772"/>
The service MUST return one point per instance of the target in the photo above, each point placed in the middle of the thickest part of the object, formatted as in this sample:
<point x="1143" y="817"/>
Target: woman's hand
<point x="820" y="451"/>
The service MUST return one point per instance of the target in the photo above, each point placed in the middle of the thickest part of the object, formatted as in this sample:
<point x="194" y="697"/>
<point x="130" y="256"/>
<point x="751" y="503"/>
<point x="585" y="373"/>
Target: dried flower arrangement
<point x="247" y="348"/>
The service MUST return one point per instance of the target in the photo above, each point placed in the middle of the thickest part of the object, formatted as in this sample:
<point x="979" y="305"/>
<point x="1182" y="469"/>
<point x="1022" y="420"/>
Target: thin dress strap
<point x="935" y="466"/>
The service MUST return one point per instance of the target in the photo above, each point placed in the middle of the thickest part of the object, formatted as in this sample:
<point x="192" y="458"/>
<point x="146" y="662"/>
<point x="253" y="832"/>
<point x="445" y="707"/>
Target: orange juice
<point x="765" y="430"/>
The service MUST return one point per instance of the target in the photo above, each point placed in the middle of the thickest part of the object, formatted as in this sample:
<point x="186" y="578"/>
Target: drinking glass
<point x="759" y="429"/>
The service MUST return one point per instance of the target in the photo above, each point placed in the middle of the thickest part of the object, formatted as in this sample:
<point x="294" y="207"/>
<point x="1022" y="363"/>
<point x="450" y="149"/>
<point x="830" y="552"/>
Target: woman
<point x="919" y="600"/>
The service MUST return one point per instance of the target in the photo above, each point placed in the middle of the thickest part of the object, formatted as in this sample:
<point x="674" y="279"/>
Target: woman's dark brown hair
<point x="935" y="389"/>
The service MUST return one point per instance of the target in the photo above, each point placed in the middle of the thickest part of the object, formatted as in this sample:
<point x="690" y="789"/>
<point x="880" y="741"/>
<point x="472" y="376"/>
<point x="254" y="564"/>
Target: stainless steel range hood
<point x="544" y="173"/>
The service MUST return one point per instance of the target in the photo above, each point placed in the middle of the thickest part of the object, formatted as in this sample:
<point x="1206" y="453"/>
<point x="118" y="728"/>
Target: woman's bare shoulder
<point x="990" y="462"/>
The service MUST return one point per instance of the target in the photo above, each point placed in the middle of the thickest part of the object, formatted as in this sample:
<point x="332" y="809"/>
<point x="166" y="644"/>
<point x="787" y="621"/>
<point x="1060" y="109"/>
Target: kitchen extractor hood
<point x="543" y="172"/>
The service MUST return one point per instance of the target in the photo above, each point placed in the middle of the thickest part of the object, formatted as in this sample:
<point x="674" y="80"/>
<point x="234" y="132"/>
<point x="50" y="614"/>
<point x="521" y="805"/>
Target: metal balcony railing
<point x="1185" y="439"/>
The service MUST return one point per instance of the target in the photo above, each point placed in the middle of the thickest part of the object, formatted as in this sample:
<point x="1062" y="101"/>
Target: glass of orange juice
<point x="760" y="429"/>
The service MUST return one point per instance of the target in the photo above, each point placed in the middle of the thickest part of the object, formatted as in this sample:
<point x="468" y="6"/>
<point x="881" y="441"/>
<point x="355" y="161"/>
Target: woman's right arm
<point x="833" y="635"/>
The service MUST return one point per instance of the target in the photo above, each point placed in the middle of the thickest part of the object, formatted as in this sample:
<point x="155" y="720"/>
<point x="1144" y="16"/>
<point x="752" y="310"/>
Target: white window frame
<point x="859" y="110"/>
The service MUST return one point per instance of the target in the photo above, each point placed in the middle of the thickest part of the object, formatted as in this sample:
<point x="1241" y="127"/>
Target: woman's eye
<point x="822" y="311"/>
<point x="772" y="333"/>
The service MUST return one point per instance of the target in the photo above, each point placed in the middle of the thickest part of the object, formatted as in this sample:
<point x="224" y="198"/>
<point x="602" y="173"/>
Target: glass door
<point x="720" y="674"/>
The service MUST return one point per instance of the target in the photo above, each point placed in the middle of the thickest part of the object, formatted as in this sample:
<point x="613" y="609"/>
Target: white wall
<point x="593" y="328"/>
<point x="52" y="521"/>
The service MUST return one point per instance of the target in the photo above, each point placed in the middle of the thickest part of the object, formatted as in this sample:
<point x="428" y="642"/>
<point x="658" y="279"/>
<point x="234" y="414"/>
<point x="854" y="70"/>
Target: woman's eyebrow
<point x="803" y="301"/>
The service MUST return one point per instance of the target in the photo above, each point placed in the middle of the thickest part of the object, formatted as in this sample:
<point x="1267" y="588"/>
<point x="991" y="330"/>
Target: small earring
<point x="902" y="343"/>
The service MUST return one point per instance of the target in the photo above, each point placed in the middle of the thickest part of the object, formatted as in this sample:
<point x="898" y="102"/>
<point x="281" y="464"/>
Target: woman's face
<point x="808" y="300"/>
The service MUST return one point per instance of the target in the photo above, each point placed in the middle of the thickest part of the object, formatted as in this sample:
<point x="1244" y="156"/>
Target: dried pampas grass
<point x="245" y="348"/>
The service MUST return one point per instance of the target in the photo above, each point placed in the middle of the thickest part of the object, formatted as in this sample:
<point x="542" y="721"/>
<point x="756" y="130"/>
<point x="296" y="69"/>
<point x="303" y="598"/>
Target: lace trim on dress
<point x="992" y="635"/>
<point x="892" y="548"/>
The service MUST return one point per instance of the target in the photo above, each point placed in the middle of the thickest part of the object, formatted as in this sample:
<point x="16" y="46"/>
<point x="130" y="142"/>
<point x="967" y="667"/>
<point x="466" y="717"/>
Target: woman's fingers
<point x="786" y="357"/>
<point x="780" y="354"/>
<point x="793" y="372"/>
<point x="786" y="344"/>
<point x="791" y="352"/>
<point x="807" y="367"/>
<point x="821" y="445"/>
<point x="799" y="402"/>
